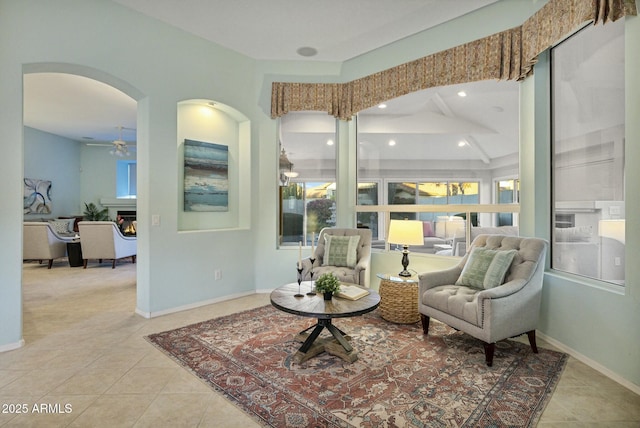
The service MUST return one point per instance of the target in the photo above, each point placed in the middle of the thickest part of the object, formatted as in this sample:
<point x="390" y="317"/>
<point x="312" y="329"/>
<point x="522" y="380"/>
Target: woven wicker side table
<point x="399" y="299"/>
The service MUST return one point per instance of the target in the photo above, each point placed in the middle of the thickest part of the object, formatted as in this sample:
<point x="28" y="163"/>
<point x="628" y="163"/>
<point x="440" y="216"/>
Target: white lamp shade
<point x="405" y="232"/>
<point x="613" y="229"/>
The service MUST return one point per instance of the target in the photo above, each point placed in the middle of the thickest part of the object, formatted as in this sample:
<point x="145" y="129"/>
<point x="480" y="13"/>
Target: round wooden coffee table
<point x="283" y="298"/>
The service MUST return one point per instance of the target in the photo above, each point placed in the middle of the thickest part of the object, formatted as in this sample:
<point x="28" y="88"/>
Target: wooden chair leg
<point x="113" y="265"/>
<point x="532" y="341"/>
<point x="84" y="263"/>
<point x="489" y="350"/>
<point x="50" y="263"/>
<point x="425" y="323"/>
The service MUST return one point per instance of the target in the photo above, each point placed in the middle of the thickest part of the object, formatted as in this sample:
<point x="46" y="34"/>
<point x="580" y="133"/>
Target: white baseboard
<point x="149" y="315"/>
<point x="588" y="361"/>
<point x="12" y="346"/>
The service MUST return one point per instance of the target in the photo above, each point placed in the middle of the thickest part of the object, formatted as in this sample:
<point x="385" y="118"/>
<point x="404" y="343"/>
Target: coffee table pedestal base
<point x="337" y="345"/>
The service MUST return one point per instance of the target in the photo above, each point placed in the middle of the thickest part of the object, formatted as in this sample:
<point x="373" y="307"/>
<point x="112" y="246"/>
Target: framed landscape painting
<point x="206" y="176"/>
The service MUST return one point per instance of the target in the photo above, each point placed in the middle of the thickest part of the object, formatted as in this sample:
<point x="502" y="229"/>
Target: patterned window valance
<point x="509" y="55"/>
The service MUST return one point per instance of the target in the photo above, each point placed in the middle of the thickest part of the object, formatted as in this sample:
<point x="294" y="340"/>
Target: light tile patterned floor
<point x="85" y="348"/>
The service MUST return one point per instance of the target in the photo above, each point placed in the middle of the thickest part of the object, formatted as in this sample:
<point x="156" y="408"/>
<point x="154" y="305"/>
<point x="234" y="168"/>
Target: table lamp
<point x="405" y="233"/>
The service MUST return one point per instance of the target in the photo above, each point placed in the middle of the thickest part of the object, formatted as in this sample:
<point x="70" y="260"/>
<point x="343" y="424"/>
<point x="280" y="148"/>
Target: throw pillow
<point x="486" y="268"/>
<point x="60" y="226"/>
<point x="340" y="251"/>
<point x="70" y="222"/>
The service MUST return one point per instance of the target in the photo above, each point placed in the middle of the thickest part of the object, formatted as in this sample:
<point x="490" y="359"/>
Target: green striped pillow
<point x="486" y="268"/>
<point x="341" y="250"/>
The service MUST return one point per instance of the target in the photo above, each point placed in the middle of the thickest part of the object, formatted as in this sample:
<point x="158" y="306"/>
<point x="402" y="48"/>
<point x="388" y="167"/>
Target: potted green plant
<point x="327" y="284"/>
<point x="93" y="213"/>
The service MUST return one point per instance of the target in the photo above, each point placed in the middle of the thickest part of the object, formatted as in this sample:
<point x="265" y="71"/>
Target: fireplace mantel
<point x="123" y="203"/>
<point x="118" y="204"/>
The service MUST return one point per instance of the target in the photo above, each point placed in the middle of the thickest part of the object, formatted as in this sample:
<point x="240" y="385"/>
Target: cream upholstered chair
<point x="467" y="298"/>
<point x="348" y="256"/>
<point x="103" y="240"/>
<point x="40" y="242"/>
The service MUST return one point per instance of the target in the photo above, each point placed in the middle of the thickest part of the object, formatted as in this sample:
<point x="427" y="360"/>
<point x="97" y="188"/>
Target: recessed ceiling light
<point x="307" y="51"/>
<point x="329" y="142"/>
<point x="392" y="142"/>
<point x="462" y="94"/>
<point x="382" y="105"/>
<point x="462" y="143"/>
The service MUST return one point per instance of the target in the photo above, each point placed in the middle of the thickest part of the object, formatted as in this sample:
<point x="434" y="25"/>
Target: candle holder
<point x="311" y="291"/>
<point x="299" y="294"/>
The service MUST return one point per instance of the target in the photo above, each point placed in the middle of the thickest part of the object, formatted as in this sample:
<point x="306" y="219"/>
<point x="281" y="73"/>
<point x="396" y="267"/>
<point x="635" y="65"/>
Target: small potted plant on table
<point x="327" y="284"/>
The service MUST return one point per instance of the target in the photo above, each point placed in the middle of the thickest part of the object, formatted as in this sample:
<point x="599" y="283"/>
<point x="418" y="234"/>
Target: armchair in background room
<point x="345" y="252"/>
<point x="103" y="240"/>
<point x="459" y="243"/>
<point x="493" y="294"/>
<point x="40" y="242"/>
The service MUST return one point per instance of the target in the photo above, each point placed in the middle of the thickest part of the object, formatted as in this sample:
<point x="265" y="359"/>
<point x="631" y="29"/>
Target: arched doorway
<point x="72" y="116"/>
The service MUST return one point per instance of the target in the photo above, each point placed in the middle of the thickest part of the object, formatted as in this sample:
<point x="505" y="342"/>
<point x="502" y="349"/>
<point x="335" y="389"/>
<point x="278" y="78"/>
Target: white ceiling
<point x="275" y="29"/>
<point x="88" y="111"/>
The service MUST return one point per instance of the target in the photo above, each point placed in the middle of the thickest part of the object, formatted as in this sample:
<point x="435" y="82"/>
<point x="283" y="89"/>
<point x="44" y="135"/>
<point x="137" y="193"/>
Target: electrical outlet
<point x="217" y="274"/>
<point x="617" y="261"/>
<point x="155" y="220"/>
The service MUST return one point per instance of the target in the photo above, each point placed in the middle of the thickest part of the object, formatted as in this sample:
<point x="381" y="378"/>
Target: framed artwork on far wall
<point x="206" y="176"/>
<point x="37" y="196"/>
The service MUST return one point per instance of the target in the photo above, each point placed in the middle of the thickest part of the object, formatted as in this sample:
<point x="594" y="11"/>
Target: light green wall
<point x="54" y="158"/>
<point x="160" y="66"/>
<point x="97" y="174"/>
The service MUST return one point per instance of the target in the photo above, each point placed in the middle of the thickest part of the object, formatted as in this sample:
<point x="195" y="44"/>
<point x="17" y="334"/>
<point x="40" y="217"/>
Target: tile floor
<point x="85" y="349"/>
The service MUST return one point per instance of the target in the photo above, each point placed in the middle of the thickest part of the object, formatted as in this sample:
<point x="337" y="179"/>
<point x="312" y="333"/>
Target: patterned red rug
<point x="401" y="379"/>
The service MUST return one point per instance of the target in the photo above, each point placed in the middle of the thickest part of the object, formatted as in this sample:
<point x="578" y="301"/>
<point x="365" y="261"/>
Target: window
<point x="437" y="147"/>
<point x="507" y="192"/>
<point x="588" y="129"/>
<point x="307" y="175"/>
<point x="126" y="181"/>
<point x="368" y="195"/>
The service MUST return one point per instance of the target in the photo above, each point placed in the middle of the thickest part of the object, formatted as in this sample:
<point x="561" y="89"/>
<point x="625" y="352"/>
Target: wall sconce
<point x="405" y="233"/>
<point x="286" y="169"/>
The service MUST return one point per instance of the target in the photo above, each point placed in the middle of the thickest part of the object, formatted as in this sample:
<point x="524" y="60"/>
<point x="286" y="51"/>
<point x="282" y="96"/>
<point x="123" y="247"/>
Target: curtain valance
<point x="508" y="55"/>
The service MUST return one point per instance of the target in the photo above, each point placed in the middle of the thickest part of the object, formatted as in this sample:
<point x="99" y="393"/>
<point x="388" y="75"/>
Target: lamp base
<point x="405" y="262"/>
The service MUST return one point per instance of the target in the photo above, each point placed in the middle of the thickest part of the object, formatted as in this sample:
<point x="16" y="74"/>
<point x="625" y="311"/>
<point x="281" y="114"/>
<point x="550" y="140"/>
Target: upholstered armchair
<point x="103" y="240"/>
<point x="492" y="294"/>
<point x="40" y="242"/>
<point x="345" y="252"/>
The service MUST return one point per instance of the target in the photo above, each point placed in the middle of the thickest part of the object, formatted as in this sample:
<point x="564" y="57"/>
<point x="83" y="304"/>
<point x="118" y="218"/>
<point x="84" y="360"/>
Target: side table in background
<point x="399" y="298"/>
<point x="74" y="253"/>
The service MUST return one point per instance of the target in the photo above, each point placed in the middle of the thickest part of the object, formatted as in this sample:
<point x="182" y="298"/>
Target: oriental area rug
<point x="401" y="378"/>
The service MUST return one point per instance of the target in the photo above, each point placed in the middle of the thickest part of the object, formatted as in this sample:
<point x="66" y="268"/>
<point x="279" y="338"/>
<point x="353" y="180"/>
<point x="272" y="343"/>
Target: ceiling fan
<point x="119" y="147"/>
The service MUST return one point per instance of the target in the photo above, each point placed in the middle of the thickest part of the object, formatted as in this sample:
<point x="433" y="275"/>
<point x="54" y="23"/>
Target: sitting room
<point x="488" y="123"/>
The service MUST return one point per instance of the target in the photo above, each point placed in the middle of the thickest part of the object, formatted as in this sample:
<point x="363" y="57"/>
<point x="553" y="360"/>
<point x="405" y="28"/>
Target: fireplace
<point x="127" y="222"/>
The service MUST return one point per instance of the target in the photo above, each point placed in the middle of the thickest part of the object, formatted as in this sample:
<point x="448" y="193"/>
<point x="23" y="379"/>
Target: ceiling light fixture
<point x="382" y="105"/>
<point x="462" y="143"/>
<point x="462" y="94"/>
<point x="329" y="142"/>
<point x="392" y="142"/>
<point x="307" y="51"/>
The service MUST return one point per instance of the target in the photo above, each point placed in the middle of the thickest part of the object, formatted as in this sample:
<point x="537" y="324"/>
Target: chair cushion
<point x="486" y="268"/>
<point x="456" y="300"/>
<point x="341" y="250"/>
